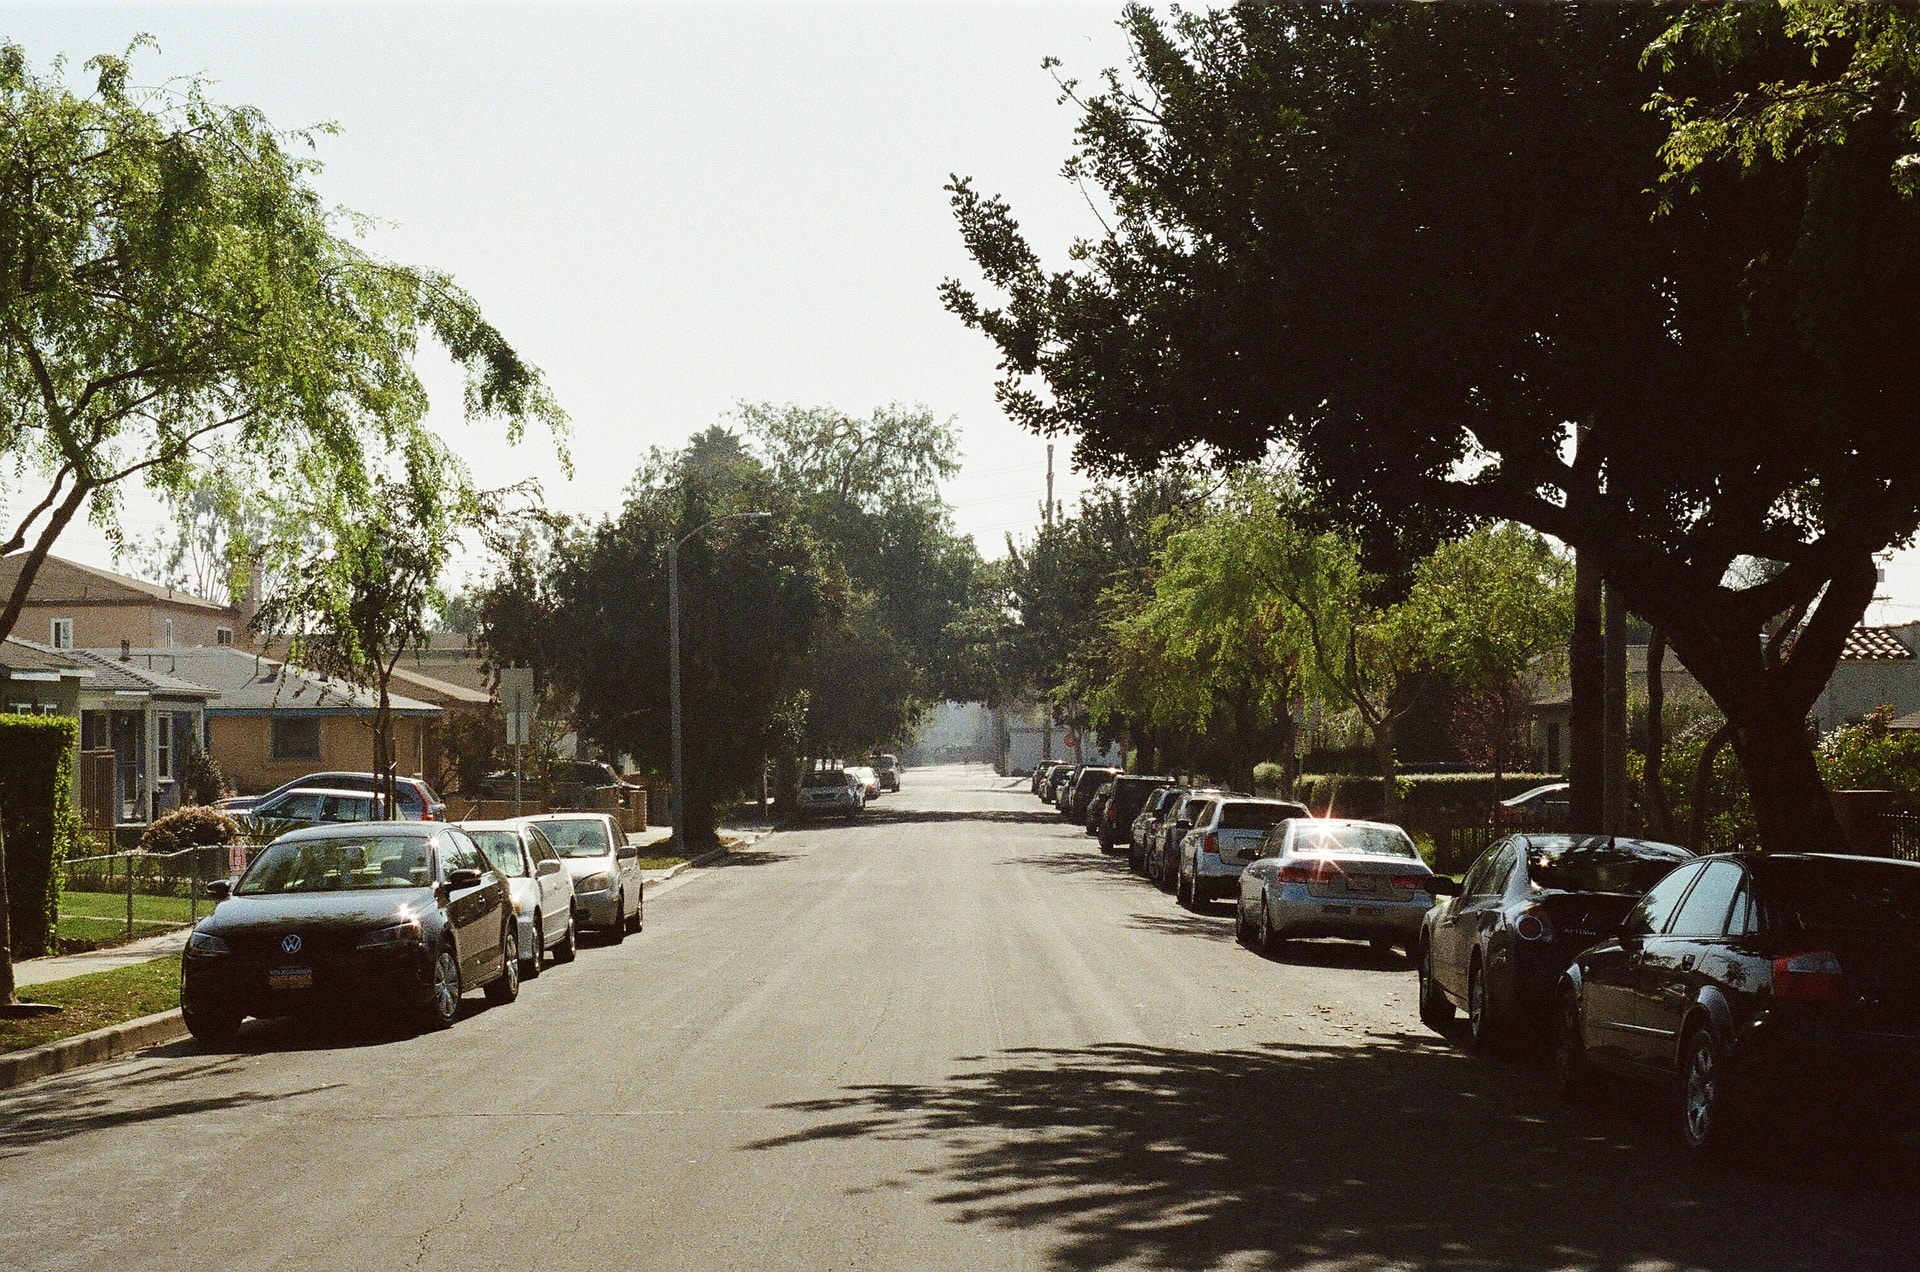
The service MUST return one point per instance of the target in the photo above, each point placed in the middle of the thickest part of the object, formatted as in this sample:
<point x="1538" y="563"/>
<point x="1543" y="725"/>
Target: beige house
<point x="75" y="606"/>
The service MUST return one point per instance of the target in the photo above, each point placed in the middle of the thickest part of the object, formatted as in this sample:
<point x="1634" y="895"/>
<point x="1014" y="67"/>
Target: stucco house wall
<point x="243" y="746"/>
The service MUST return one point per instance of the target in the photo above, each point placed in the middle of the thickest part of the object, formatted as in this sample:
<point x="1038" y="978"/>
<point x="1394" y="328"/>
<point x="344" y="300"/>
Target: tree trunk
<point x="1791" y="808"/>
<point x="1702" y="777"/>
<point x="1383" y="754"/>
<point x="1652" y="777"/>
<point x="6" y="931"/>
<point x="1613" y="782"/>
<point x="1586" y="724"/>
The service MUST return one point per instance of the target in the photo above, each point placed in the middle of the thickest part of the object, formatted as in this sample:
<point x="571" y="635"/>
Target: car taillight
<point x="1531" y="926"/>
<point x="1210" y="842"/>
<point x="1813" y="977"/>
<point x="1295" y="874"/>
<point x="1412" y="883"/>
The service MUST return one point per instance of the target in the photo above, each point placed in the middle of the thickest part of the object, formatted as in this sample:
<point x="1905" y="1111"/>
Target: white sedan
<point x="832" y="791"/>
<point x="1318" y="876"/>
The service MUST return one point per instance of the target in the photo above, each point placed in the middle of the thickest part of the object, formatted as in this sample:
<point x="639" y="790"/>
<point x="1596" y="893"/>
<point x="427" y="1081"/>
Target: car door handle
<point x="1686" y="963"/>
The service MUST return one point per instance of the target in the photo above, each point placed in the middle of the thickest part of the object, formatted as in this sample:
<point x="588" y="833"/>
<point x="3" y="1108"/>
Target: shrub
<point x="1868" y="756"/>
<point x="190" y="828"/>
<point x="1269" y="776"/>
<point x="36" y="811"/>
<point x="202" y="782"/>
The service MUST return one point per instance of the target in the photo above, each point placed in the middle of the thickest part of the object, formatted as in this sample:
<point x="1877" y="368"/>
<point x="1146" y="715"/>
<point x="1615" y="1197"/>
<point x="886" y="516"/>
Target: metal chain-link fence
<point x="109" y="897"/>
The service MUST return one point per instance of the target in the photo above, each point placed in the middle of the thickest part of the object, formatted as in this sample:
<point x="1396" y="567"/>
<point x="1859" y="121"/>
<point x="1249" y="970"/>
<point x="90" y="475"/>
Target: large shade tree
<point x="1418" y="244"/>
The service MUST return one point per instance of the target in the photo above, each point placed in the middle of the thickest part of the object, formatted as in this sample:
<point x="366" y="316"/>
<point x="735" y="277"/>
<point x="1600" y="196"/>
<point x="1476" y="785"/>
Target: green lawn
<point x="95" y="1001"/>
<point x="102" y="916"/>
<point x="660" y="863"/>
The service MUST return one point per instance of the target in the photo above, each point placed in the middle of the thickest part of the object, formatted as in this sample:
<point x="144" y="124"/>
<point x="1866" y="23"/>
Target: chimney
<point x="250" y="603"/>
<point x="126" y="650"/>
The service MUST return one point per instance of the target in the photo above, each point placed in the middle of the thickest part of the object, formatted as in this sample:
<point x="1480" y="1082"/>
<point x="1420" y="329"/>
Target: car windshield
<point x="1602" y="867"/>
<point x="1247" y="815"/>
<point x="1838" y="895"/>
<point x="503" y="850"/>
<point x="1376" y="841"/>
<point x="576" y="838"/>
<point x="825" y="777"/>
<point x="338" y="865"/>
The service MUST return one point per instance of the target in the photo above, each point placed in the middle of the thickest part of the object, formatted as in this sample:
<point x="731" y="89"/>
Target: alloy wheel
<point x="1701" y="1094"/>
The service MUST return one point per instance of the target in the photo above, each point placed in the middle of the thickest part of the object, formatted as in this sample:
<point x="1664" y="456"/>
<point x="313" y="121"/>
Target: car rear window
<point x="1840" y="895"/>
<point x="1249" y="815"/>
<point x="825" y="777"/>
<point x="1376" y="841"/>
<point x="1602" y="867"/>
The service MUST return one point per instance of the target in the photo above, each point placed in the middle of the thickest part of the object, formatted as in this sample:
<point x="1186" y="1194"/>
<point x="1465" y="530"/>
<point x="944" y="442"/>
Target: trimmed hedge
<point x="1431" y="799"/>
<point x="193" y="827"/>
<point x="36" y="809"/>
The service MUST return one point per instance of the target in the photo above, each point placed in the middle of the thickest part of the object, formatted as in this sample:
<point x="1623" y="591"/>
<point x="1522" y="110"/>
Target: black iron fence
<point x="1903" y="835"/>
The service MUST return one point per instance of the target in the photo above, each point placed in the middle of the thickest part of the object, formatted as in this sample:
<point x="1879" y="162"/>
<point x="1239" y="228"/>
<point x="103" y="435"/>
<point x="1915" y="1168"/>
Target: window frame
<point x="55" y="627"/>
<point x="163" y="768"/>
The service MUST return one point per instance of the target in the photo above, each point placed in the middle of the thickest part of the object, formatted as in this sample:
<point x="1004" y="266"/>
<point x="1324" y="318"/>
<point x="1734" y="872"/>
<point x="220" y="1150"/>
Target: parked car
<point x="832" y="791"/>
<point x="1042" y="776"/>
<point x="416" y="800"/>
<point x="887" y="767"/>
<point x="537" y="881"/>
<point x="1748" y="984"/>
<point x="1085" y="784"/>
<point x="607" y="890"/>
<point x="565" y="780"/>
<point x="868" y="779"/>
<point x="1124" y="802"/>
<point x="1528" y="905"/>
<point x="1542" y="808"/>
<point x="1220" y="845"/>
<point x="1147" y="823"/>
<point x="1097" y="808"/>
<point x="1163" y="856"/>
<point x="1324" y="876"/>
<point x="1061" y="784"/>
<point x="302" y="807"/>
<point x="396" y="914"/>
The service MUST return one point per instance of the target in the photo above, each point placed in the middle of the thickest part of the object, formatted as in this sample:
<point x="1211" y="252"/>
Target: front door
<point x="129" y="740"/>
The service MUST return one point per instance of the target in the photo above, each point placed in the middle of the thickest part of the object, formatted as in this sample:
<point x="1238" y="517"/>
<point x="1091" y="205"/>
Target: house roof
<point x="29" y="660"/>
<point x="1875" y="644"/>
<point x="110" y="675"/>
<point x="1907" y="722"/>
<point x="63" y="582"/>
<point x="250" y="684"/>
<point x="444" y="692"/>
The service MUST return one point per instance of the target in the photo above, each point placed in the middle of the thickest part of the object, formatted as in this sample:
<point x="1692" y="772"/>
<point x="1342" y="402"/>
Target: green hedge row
<point x="1463" y="799"/>
<point x="36" y="811"/>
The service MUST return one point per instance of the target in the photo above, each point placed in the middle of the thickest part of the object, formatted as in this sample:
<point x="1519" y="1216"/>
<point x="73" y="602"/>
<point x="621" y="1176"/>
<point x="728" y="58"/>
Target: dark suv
<point x="1085" y="786"/>
<point x="1129" y="797"/>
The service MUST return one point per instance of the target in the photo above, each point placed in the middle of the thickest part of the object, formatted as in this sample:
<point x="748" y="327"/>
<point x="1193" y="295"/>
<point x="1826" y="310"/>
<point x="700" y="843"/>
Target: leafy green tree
<point x="1413" y="243"/>
<point x="179" y="308"/>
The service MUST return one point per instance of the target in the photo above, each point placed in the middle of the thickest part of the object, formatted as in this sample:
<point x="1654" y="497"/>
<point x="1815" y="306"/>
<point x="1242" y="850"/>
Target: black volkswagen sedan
<point x="1787" y="983"/>
<point x="405" y="915"/>
<point x="1527" y="906"/>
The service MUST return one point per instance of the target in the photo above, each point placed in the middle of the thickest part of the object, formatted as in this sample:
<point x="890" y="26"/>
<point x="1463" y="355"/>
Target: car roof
<point x="352" y="830"/>
<point x="1347" y="821"/>
<point x="327" y="790"/>
<point x="495" y="823"/>
<point x="567" y="816"/>
<point x="1570" y="842"/>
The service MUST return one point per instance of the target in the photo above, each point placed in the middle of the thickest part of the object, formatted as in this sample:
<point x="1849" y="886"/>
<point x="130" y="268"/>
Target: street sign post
<point x="516" y="699"/>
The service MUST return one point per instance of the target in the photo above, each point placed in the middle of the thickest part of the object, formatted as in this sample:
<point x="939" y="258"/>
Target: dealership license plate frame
<point x="290" y="978"/>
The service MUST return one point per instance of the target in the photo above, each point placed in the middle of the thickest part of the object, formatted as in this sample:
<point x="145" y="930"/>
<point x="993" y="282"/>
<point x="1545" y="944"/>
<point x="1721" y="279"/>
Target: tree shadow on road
<point x="745" y="857"/>
<point x="880" y="815"/>
<point x="1398" y="1152"/>
<point x="1071" y="863"/>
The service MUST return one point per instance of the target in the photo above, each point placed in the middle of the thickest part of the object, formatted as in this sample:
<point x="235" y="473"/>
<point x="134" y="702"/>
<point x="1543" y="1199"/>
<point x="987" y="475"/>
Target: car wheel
<point x="1182" y="893"/>
<point x="444" y="1002"/>
<point x="563" y="952"/>
<point x="618" y="931"/>
<point x="530" y="965"/>
<point x="1241" y="931"/>
<point x="505" y="987"/>
<point x="633" y="924"/>
<point x="1708" y="1120"/>
<point x="1482" y="1027"/>
<point x="1570" y="1076"/>
<point x="212" y="1028"/>
<point x="1436" y="1009"/>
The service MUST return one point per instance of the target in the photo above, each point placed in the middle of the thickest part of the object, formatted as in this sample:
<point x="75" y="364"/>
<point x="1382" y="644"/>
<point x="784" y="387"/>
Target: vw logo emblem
<point x="291" y="943"/>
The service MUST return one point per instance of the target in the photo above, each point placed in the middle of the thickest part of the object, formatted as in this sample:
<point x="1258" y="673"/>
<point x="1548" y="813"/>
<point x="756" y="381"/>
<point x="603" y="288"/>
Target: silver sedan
<point x="1318" y="876"/>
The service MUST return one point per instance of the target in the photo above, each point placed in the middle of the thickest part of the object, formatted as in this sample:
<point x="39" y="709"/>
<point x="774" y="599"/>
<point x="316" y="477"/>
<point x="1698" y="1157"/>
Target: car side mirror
<point x="465" y="878"/>
<point x="1444" y="886"/>
<point x="549" y="867"/>
<point x="219" y="889"/>
<point x="1183" y="825"/>
<point x="628" y="854"/>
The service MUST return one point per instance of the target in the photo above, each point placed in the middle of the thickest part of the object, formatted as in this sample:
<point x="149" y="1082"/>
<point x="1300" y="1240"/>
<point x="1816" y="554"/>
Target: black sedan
<point x="1787" y="983"/>
<point x="406" y="915"/>
<point x="1527" y="906"/>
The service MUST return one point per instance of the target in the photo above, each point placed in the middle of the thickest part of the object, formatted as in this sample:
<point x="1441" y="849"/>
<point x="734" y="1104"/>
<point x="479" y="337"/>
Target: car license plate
<point x="1370" y="911"/>
<point x="1360" y="883"/>
<point x="290" y="978"/>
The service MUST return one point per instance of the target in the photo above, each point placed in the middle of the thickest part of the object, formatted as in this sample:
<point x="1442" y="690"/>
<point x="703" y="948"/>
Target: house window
<point x="62" y="634"/>
<point x="163" y="750"/>
<point x="169" y="627"/>
<point x="93" y="731"/>
<point x="223" y="635"/>
<point x="296" y="738"/>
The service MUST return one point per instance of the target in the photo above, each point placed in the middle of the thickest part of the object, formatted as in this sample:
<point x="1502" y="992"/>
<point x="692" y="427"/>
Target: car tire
<point x="1182" y="895"/>
<point x="530" y="966"/>
<point x="1483" y="1025"/>
<point x="632" y="925"/>
<point x="505" y="987"/>
<point x="212" y="1028"/>
<point x="1266" y="942"/>
<point x="563" y="951"/>
<point x="1241" y="931"/>
<point x="1572" y="1080"/>
<point x="1436" y="1009"/>
<point x="443" y="1002"/>
<point x="617" y="932"/>
<point x="1709" y="1116"/>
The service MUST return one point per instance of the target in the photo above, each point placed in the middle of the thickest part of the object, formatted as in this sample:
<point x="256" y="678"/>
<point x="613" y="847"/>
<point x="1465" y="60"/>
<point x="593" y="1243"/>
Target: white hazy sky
<point x="674" y="208"/>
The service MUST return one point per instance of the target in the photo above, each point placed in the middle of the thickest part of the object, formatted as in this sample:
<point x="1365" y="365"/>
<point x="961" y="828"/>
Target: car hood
<point x="581" y="867"/>
<point x="317" y="911"/>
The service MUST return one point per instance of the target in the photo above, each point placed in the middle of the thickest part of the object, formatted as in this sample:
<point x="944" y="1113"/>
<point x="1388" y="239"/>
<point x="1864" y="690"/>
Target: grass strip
<point x="113" y="905"/>
<point x="660" y="863"/>
<point x="94" y="1001"/>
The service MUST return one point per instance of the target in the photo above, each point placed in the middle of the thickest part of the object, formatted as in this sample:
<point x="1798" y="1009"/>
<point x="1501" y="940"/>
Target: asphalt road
<point x="951" y="1036"/>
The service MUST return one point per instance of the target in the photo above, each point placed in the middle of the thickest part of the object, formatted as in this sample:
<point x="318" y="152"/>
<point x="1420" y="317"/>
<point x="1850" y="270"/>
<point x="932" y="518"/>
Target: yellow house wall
<point x="243" y="746"/>
<point x="98" y="626"/>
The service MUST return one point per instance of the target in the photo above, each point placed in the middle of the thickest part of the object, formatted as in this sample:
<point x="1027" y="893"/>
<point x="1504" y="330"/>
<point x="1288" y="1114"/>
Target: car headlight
<point x="405" y="932"/>
<point x="206" y="944"/>
<point x="595" y="883"/>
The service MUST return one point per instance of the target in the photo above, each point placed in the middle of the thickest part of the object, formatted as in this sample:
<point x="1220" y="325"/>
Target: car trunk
<point x="1583" y="919"/>
<point x="1345" y="876"/>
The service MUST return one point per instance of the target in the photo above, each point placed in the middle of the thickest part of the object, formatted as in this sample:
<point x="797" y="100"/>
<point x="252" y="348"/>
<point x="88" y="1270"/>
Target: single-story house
<point x="1880" y="666"/>
<point x="148" y="723"/>
<point x="274" y="722"/>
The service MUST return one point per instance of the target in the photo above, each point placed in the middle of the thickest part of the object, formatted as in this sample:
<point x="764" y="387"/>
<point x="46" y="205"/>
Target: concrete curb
<point x="91" y="1048"/>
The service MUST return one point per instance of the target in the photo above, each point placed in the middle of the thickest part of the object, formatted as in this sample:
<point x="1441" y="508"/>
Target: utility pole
<point x="1046" y="509"/>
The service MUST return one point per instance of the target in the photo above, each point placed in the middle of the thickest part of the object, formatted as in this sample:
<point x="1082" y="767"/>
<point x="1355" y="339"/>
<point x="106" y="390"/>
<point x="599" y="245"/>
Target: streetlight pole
<point x="673" y="662"/>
